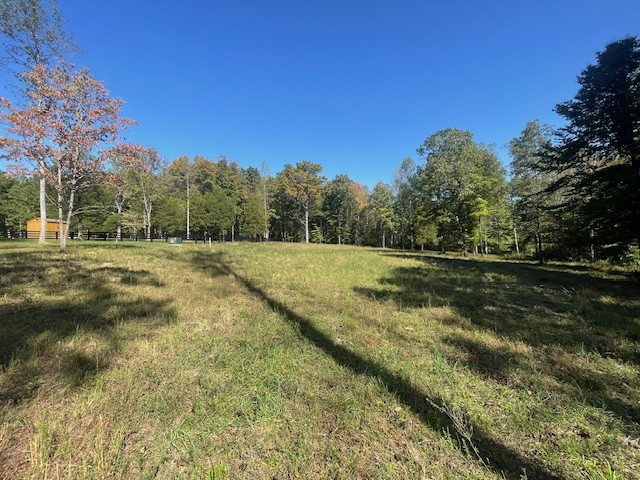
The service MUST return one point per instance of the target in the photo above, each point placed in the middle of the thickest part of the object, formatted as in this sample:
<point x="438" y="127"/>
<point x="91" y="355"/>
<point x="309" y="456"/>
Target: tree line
<point x="571" y="192"/>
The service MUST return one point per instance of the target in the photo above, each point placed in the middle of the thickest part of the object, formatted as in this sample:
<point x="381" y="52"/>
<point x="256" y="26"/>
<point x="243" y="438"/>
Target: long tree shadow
<point x="497" y="456"/>
<point x="48" y="299"/>
<point x="570" y="311"/>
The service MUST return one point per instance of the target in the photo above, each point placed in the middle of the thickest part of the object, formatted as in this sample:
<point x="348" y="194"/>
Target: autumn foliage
<point x="64" y="134"/>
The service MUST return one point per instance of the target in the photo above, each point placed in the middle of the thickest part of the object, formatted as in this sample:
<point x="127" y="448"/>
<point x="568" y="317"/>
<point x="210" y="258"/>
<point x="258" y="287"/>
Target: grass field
<point x="293" y="361"/>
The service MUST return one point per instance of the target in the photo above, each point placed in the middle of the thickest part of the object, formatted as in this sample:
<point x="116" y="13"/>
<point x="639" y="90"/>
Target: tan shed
<point x="53" y="228"/>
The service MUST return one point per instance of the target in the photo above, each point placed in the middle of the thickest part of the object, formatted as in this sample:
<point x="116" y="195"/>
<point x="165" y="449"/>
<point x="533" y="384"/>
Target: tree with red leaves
<point x="65" y="134"/>
<point x="135" y="169"/>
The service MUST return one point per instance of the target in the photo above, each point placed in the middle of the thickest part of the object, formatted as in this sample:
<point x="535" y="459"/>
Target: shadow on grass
<point x="50" y="299"/>
<point x="536" y="305"/>
<point x="572" y="310"/>
<point x="499" y="457"/>
<point x="491" y="363"/>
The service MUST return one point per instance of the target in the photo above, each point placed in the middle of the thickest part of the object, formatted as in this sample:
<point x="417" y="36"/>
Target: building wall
<point x="33" y="228"/>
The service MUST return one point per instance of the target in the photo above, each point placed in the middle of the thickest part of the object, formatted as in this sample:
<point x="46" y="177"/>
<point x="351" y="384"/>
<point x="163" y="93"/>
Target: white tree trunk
<point x="188" y="215"/>
<point x="146" y="203"/>
<point x="64" y="228"/>
<point x="63" y="244"/>
<point x="42" y="238"/>
<point x="119" y="227"/>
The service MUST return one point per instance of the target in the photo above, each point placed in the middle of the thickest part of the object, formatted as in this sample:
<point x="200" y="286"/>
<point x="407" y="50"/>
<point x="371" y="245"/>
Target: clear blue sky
<point x="355" y="85"/>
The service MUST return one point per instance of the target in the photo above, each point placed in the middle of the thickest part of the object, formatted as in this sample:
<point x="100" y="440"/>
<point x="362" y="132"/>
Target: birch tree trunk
<point x="146" y="204"/>
<point x="42" y="238"/>
<point x="306" y="225"/>
<point x="65" y="227"/>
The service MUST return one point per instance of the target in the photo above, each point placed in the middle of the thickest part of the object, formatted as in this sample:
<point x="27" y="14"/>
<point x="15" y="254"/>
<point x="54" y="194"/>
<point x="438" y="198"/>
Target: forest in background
<point x="568" y="193"/>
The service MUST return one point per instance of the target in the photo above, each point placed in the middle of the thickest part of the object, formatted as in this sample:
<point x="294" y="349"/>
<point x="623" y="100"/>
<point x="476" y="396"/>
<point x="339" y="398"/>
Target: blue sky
<point x="355" y="85"/>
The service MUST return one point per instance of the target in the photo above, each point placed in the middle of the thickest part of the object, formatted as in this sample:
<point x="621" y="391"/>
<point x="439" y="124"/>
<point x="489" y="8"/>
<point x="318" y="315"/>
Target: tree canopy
<point x="572" y="193"/>
<point x="597" y="156"/>
<point x="65" y="132"/>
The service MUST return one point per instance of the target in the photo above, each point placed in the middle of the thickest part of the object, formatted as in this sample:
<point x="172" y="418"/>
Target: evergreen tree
<point x="254" y="216"/>
<point x="597" y="158"/>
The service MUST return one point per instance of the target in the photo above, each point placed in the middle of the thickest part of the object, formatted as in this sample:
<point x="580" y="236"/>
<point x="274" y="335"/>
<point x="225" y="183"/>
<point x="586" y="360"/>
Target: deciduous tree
<point x="303" y="185"/>
<point x="457" y="186"/>
<point x="340" y="207"/>
<point x="141" y="167"/>
<point x="404" y="186"/>
<point x="178" y="182"/>
<point x="32" y="33"/>
<point x="529" y="184"/>
<point x="65" y="133"/>
<point x="214" y="211"/>
<point x="382" y="207"/>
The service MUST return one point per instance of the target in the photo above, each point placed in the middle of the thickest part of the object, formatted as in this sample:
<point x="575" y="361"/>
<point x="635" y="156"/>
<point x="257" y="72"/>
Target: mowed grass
<point x="295" y="361"/>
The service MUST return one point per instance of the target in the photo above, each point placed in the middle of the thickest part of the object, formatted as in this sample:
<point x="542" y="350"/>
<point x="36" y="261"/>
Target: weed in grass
<point x="463" y="428"/>
<point x="41" y="446"/>
<point x="603" y="471"/>
<point x="216" y="472"/>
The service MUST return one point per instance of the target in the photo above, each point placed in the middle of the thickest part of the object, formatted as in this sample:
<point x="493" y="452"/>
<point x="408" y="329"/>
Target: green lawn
<point x="294" y="361"/>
